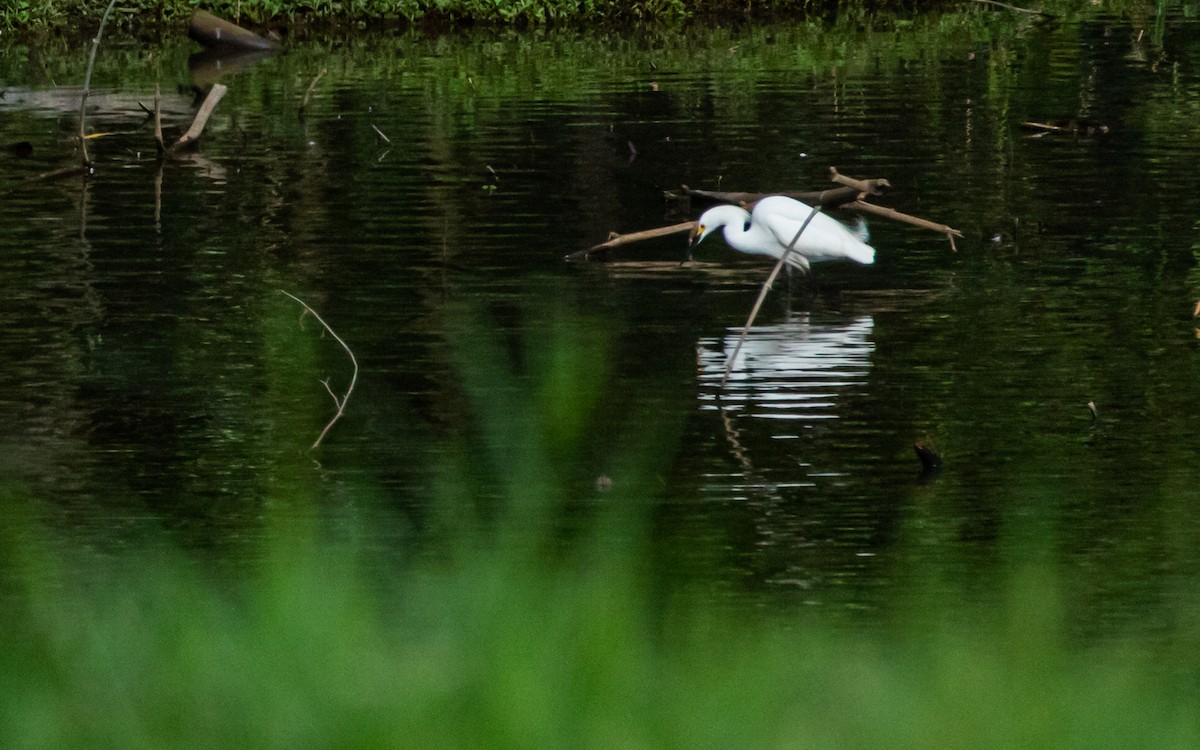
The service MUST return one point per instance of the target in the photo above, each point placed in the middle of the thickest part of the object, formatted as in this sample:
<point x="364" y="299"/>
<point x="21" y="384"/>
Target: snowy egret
<point x="771" y="226"/>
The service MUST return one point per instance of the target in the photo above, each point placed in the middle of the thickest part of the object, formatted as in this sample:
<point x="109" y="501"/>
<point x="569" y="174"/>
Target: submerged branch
<point x="340" y="403"/>
<point x="60" y="173"/>
<point x="309" y="92"/>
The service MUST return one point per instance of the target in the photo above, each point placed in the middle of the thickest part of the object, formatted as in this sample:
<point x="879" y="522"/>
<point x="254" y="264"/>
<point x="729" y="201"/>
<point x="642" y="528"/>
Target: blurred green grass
<point x="489" y="649"/>
<point x="515" y="630"/>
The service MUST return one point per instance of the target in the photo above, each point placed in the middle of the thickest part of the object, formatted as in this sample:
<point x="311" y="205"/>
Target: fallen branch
<point x="87" y="85"/>
<point x="825" y="198"/>
<point x="215" y="32"/>
<point x="616" y="240"/>
<point x="340" y="403"/>
<point x="916" y="221"/>
<point x="849" y="196"/>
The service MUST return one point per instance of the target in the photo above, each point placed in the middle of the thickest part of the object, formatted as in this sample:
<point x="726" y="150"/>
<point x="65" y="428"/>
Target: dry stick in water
<point x="875" y="186"/>
<point x="158" y="136"/>
<point x="206" y="109"/>
<point x="339" y="402"/>
<point x="379" y="133"/>
<point x="762" y="295"/>
<point x="193" y="133"/>
<point x="916" y="221"/>
<point x="616" y="240"/>
<point x="87" y="84"/>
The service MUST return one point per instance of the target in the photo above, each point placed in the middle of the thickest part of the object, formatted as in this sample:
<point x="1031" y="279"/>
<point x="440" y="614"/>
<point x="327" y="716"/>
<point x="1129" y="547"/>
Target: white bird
<point x="770" y="227"/>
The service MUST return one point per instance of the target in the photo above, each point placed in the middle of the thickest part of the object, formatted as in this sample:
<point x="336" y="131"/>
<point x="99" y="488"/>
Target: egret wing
<point x="824" y="238"/>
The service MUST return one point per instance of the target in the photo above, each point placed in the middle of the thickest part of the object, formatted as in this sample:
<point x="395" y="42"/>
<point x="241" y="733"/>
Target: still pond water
<point x="154" y="377"/>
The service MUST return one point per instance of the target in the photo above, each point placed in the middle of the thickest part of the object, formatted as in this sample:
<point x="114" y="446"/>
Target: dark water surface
<point x="154" y="377"/>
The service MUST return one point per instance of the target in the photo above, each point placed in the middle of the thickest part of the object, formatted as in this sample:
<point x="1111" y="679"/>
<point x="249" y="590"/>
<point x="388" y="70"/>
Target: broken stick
<point x="876" y="186"/>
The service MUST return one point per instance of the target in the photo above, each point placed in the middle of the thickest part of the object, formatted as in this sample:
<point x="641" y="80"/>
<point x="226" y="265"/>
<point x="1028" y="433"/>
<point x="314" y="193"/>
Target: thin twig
<point x="87" y="84"/>
<point x="762" y="294"/>
<point x="340" y="403"/>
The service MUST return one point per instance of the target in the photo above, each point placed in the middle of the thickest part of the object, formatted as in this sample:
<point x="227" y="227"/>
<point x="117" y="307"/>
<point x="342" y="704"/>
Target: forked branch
<point x="339" y="402"/>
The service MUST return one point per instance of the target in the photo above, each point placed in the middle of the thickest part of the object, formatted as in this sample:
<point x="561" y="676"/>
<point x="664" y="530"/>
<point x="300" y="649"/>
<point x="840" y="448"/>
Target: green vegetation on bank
<point x="61" y="14"/>
<point x="82" y="15"/>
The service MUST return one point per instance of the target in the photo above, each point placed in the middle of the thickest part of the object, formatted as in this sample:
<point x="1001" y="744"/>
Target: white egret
<point x="771" y="226"/>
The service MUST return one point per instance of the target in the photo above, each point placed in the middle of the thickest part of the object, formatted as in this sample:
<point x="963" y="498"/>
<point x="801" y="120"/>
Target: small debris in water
<point x="931" y="460"/>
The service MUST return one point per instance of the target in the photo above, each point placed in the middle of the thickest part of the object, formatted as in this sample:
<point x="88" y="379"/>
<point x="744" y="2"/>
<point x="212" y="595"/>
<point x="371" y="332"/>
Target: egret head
<point x="709" y="221"/>
<point x="697" y="235"/>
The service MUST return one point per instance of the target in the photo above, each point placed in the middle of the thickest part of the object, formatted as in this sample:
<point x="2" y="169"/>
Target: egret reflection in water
<point x="793" y="370"/>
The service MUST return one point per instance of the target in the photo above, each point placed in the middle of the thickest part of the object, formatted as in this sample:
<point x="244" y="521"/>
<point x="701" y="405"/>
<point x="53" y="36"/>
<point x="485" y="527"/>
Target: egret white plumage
<point x="771" y="226"/>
